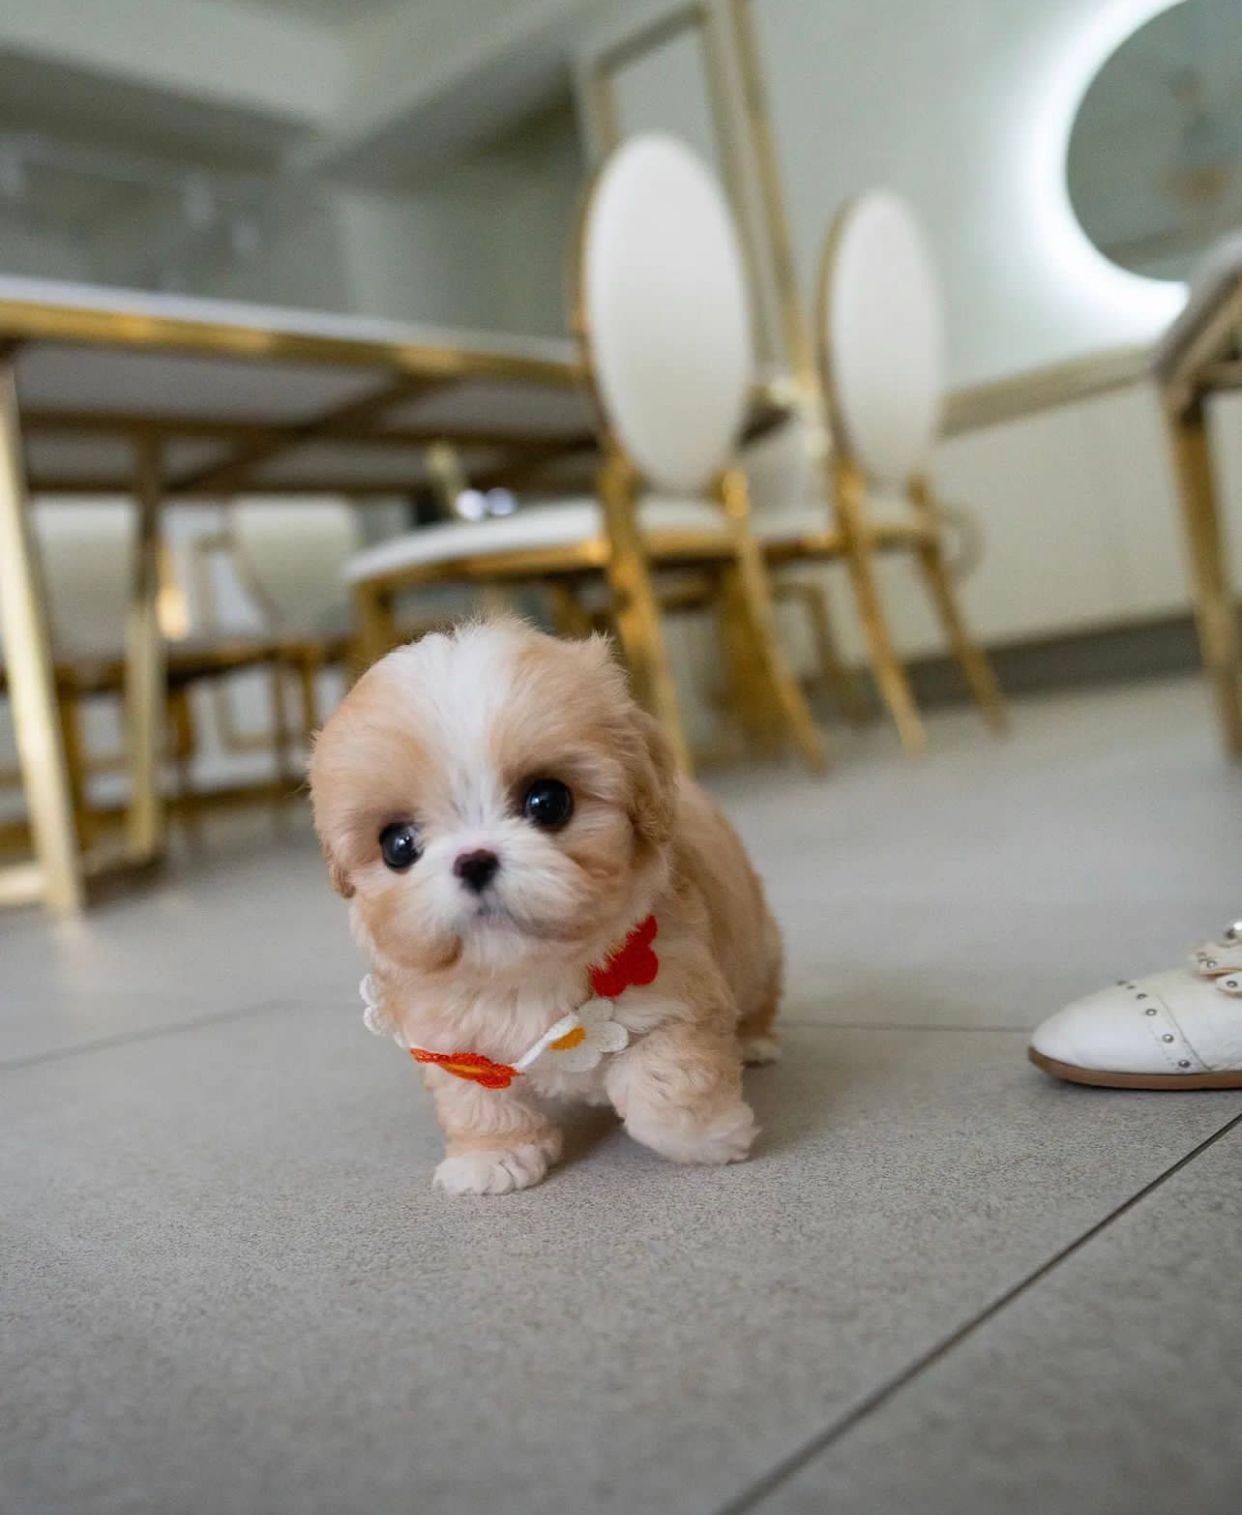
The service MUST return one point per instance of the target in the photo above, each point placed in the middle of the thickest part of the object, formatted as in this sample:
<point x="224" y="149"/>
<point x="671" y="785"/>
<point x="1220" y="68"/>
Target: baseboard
<point x="1122" y="654"/>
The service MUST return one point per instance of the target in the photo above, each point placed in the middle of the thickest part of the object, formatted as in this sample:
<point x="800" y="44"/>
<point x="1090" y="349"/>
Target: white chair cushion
<point x="883" y="337"/>
<point x="539" y="526"/>
<point x="664" y="293"/>
<point x="291" y="552"/>
<point x="88" y="549"/>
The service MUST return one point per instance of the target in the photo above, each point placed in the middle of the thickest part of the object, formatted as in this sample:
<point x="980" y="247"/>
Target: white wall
<point x="481" y="244"/>
<point x="26" y="250"/>
<point x="300" y="262"/>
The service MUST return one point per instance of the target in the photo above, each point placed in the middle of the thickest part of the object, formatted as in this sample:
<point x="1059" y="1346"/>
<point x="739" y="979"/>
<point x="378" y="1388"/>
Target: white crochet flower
<point x="583" y="1037"/>
<point x="374" y="1017"/>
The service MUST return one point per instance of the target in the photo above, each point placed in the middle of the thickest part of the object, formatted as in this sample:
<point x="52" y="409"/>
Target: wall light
<point x="1131" y="299"/>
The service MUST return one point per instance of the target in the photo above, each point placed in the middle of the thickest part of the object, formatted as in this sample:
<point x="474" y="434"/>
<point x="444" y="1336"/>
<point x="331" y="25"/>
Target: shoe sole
<point x="1100" y="1079"/>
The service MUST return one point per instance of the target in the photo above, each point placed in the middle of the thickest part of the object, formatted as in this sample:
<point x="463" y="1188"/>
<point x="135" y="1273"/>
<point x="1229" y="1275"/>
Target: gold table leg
<point x="1214" y="606"/>
<point x="144" y="667"/>
<point x="56" y="877"/>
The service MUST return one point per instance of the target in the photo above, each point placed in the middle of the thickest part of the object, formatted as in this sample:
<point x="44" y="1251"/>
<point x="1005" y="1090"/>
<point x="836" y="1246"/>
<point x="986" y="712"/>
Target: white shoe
<point x="1176" y="1030"/>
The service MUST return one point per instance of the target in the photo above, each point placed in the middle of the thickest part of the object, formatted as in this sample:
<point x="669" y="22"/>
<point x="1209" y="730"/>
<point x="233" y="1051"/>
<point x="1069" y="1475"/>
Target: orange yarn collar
<point x="578" y="1040"/>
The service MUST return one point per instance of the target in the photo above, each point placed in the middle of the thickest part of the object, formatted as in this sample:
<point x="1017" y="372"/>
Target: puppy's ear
<point x="653" y="801"/>
<point x="340" y="879"/>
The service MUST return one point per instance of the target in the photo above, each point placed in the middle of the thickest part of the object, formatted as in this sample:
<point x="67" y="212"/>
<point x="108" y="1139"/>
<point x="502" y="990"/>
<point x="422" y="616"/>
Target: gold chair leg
<point x="77" y="764"/>
<point x="734" y="494"/>
<point x="636" y="612"/>
<point x="184" y="744"/>
<point x="1215" y="614"/>
<point x="570" y="617"/>
<point x="886" y="666"/>
<point x="309" y="666"/>
<point x="750" y="702"/>
<point x="144" y="666"/>
<point x="57" y="877"/>
<point x="375" y="625"/>
<point x="838" y="682"/>
<point x="280" y="731"/>
<point x="975" y="663"/>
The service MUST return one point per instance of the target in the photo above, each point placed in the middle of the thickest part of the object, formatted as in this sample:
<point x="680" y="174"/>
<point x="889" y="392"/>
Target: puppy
<point x="549" y="910"/>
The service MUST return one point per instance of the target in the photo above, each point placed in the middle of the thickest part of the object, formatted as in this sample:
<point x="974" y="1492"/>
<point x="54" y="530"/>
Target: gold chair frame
<point x="1209" y="363"/>
<point x="767" y="696"/>
<point x="851" y="536"/>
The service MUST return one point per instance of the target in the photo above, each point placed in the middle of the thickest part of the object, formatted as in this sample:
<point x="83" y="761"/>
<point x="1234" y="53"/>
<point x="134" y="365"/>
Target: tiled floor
<point x="942" y="1284"/>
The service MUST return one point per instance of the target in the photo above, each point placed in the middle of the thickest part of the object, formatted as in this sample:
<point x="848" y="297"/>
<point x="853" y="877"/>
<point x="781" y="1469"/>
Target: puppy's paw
<point x="759" y="1050"/>
<point x="725" y="1137"/>
<point x="499" y="1171"/>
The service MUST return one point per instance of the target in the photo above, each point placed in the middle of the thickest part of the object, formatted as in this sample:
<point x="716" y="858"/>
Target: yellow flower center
<point x="573" y="1038"/>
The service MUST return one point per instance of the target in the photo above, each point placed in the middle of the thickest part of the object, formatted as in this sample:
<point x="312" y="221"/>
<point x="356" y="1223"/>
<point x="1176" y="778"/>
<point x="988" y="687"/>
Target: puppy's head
<point x="487" y="795"/>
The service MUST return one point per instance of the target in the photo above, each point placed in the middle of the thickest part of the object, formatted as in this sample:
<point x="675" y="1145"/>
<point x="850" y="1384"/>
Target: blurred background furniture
<point x="289" y="553"/>
<point x="881" y="358"/>
<point x="869" y="364"/>
<point x="168" y="400"/>
<point x="664" y="322"/>
<point x="87" y="550"/>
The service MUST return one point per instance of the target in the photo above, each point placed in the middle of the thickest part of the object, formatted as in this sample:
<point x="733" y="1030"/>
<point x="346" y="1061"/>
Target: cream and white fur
<point x="448" y="733"/>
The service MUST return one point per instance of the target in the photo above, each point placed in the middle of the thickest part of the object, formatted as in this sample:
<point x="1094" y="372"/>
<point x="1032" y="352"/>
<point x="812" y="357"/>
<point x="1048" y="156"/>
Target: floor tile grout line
<point x="212" y="1018"/>
<point x="147" y="1033"/>
<point x="750" y="1498"/>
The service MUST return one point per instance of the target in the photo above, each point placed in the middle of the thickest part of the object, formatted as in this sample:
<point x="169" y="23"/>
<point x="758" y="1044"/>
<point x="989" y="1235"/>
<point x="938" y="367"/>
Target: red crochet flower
<point x="472" y="1066"/>
<point x="631" y="965"/>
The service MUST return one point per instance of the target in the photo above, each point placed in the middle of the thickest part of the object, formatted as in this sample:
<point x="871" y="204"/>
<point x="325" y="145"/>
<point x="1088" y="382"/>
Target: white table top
<point x="94" y="364"/>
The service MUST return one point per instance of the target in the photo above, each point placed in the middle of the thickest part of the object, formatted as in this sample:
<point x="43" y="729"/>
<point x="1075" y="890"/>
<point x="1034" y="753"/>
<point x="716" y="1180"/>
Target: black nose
<point x="476" y="869"/>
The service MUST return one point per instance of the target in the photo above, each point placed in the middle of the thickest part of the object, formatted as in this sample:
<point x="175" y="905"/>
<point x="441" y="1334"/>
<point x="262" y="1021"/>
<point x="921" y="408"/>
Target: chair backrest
<point x="291" y="553"/>
<point x="881" y="337"/>
<point x="87" y="548"/>
<point x="663" y="312"/>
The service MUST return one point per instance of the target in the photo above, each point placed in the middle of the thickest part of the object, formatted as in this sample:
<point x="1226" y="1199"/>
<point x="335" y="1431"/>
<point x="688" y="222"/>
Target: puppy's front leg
<point x="679" y="1091"/>
<point x="494" y="1141"/>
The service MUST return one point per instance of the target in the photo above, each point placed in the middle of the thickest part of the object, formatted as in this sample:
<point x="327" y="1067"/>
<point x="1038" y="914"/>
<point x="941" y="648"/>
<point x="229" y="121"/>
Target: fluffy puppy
<point x="521" y="858"/>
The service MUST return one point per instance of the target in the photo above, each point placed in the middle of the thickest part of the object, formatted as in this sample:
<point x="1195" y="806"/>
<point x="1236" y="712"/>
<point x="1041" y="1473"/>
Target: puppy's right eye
<point x="399" y="846"/>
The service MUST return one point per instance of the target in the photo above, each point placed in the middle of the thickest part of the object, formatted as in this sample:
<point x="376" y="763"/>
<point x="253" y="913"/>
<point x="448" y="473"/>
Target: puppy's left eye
<point x="399" y="846"/>
<point x="548" y="803"/>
